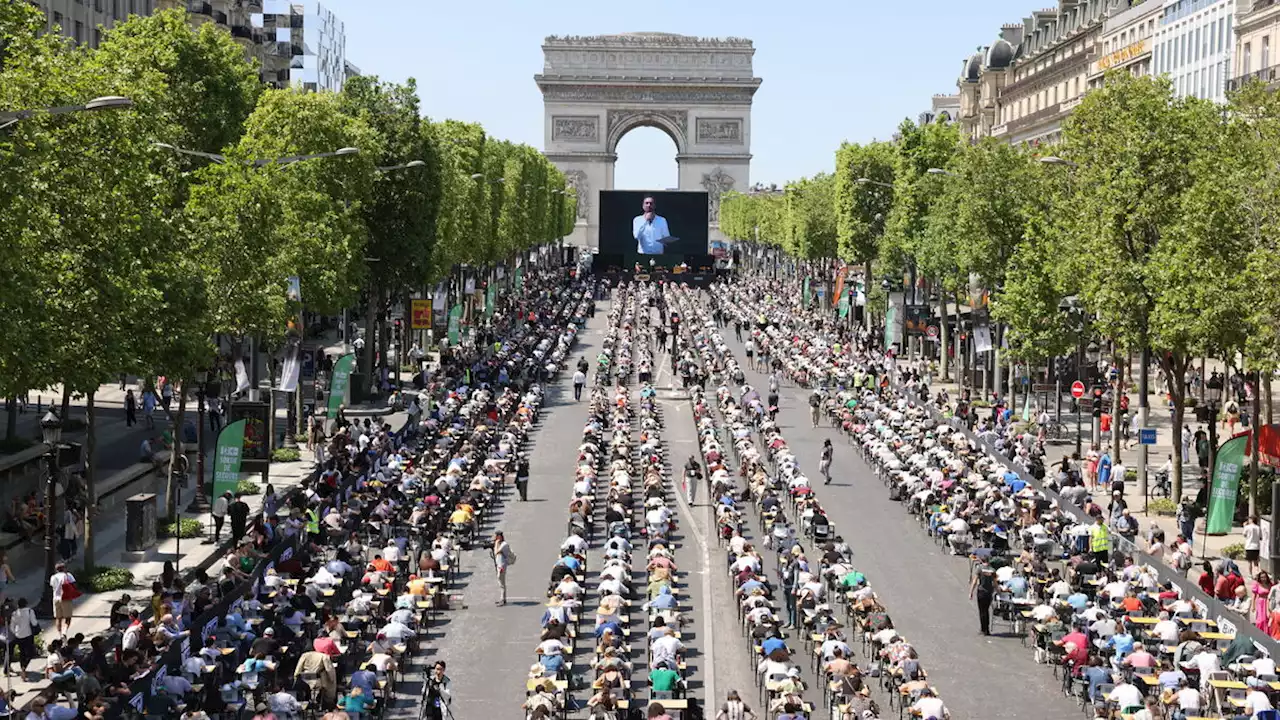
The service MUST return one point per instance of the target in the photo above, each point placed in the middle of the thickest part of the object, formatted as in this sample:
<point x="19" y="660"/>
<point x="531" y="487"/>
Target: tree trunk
<point x="1177" y="367"/>
<point x="1255" y="416"/>
<point x="944" y="335"/>
<point x="1121" y="374"/>
<point x="366" y="362"/>
<point x="866" y="294"/>
<point x="66" y="404"/>
<point x="11" y="421"/>
<point x="176" y="452"/>
<point x="90" y="492"/>
<point x="1266" y="386"/>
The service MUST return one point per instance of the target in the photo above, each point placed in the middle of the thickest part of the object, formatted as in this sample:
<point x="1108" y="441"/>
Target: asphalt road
<point x="924" y="589"/>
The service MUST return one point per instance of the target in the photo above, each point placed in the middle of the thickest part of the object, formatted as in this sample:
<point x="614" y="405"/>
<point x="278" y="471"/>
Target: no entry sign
<point x="1077" y="389"/>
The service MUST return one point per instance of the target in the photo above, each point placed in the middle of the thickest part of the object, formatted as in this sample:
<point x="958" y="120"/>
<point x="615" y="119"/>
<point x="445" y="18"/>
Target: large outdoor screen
<point x="635" y="223"/>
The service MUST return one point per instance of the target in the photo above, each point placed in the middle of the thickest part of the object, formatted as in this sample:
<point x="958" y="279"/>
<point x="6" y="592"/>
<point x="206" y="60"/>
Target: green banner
<point x="490" y="298"/>
<point x="455" y="323"/>
<point x="805" y="295"/>
<point x="520" y="277"/>
<point x="845" y="303"/>
<point x="1228" y="465"/>
<point x="226" y="458"/>
<point x="338" y="383"/>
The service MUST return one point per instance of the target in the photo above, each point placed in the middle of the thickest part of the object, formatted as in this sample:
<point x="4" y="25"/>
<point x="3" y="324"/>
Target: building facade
<point x="85" y="20"/>
<point x="1127" y="42"/>
<point x="297" y="44"/>
<point x="1257" y="30"/>
<point x="1193" y="46"/>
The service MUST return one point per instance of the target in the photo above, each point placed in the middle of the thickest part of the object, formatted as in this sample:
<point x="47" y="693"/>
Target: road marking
<point x="707" y="614"/>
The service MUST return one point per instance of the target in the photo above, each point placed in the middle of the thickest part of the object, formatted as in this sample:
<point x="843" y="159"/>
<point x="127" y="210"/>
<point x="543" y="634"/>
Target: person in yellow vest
<point x="313" y="524"/>
<point x="1100" y="540"/>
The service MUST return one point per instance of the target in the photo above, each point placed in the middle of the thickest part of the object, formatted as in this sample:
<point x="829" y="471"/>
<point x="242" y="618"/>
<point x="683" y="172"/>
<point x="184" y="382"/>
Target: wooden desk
<point x="1228" y="685"/>
<point x="1217" y="636"/>
<point x="531" y="685"/>
<point x="1144" y="620"/>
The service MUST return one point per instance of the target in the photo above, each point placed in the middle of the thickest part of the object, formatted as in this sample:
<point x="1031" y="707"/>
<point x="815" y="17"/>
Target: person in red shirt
<point x="1207" y="578"/>
<point x="381" y="564"/>
<point x="1225" y="587"/>
<point x="1077" y="649"/>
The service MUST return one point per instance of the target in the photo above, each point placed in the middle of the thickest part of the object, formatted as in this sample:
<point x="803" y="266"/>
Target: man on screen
<point x="650" y="230"/>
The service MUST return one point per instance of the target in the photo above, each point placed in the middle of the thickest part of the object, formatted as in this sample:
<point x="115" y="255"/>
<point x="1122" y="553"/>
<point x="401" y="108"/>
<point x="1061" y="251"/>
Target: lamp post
<point x="106" y="102"/>
<point x="1213" y="394"/>
<point x="51" y="432"/>
<point x="200" y="503"/>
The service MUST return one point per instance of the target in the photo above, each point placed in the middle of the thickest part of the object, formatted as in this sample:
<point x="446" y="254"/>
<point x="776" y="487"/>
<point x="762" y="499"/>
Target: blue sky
<point x="832" y="70"/>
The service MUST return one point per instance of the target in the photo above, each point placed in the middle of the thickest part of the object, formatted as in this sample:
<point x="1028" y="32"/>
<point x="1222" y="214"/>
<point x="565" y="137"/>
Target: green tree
<point x="862" y="208"/>
<point x="1139" y="152"/>
<point x="401" y="212"/>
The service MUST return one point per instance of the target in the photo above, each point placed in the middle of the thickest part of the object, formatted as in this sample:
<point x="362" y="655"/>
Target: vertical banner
<point x="455" y="322"/>
<point x="520" y="277"/>
<point x="1228" y="465"/>
<point x="226" y="459"/>
<point x="844" y="305"/>
<point x="838" y="293"/>
<point x="338" y="383"/>
<point x="290" y="370"/>
<point x="490" y="297"/>
<point x="242" y="376"/>
<point x="805" y="295"/>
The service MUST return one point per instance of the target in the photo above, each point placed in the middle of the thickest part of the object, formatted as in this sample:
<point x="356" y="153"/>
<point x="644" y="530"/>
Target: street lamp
<point x="405" y="166"/>
<point x="51" y="432"/>
<point x="1213" y="395"/>
<point x="106" y="102"/>
<point x="287" y="160"/>
<point x="940" y="171"/>
<point x="869" y="181"/>
<point x="1055" y="160"/>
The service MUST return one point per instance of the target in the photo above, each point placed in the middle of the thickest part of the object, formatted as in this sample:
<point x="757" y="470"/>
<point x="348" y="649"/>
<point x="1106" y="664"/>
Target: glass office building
<point x="1194" y="42"/>
<point x="306" y="45"/>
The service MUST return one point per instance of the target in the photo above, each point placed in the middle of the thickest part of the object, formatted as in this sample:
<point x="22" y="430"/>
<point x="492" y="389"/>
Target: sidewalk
<point x="91" y="611"/>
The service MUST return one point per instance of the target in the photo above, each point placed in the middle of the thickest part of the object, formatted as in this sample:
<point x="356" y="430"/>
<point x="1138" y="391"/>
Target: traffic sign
<point x="1146" y="436"/>
<point x="1042" y="388"/>
<point x="932" y="332"/>
<point x="1077" y="389"/>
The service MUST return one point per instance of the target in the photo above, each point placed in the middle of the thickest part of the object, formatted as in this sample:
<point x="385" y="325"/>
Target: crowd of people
<point x="1123" y="641"/>
<point x="323" y="602"/>
<point x="812" y="586"/>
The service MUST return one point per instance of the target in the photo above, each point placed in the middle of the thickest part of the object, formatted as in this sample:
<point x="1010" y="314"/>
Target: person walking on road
<point x="579" y="381"/>
<point x="733" y="707"/>
<point x="983" y="587"/>
<point x="149" y="407"/>
<point x="503" y="557"/>
<point x="1252" y="542"/>
<point x="824" y="465"/>
<point x="59" y="583"/>
<point x="815" y="406"/>
<point x="130" y="408"/>
<point x="522" y="476"/>
<point x="219" y="513"/>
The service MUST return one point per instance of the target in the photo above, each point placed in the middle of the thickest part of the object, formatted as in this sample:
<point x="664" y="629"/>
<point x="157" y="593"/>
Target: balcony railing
<point x="1266" y="75"/>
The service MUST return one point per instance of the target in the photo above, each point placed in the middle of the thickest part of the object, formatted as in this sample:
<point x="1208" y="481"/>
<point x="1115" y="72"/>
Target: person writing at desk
<point x="650" y="230"/>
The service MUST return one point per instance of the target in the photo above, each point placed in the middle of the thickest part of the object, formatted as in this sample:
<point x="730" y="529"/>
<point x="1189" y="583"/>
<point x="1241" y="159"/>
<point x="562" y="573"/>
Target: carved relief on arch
<point x="674" y="122"/>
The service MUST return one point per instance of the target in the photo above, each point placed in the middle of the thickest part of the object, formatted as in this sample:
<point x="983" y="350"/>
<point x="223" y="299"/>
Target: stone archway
<point x="696" y="90"/>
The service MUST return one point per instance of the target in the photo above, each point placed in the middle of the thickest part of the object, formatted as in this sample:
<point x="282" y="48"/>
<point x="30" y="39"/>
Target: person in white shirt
<point x="1264" y="666"/>
<point x="1167" y="630"/>
<point x="1208" y="662"/>
<point x="1126" y="695"/>
<point x="58" y="582"/>
<point x="664" y="649"/>
<point x="391" y="553"/>
<point x="1256" y="701"/>
<point x="1252" y="542"/>
<point x="930" y="707"/>
<point x="284" y="703"/>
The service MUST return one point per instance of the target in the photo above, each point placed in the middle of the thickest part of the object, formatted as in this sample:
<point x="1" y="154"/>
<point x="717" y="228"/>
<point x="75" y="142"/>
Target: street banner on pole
<point x="338" y="383"/>
<point x="1228" y="465"/>
<point x="226" y="459"/>
<point x="455" y="322"/>
<point x="490" y="300"/>
<point x="420" y="314"/>
<point x="520" y="277"/>
<point x="805" y="294"/>
<point x="290" y="369"/>
<point x="838" y="293"/>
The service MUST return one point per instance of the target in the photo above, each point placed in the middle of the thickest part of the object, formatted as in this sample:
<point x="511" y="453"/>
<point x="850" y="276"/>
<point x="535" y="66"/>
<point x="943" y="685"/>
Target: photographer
<point x="439" y="693"/>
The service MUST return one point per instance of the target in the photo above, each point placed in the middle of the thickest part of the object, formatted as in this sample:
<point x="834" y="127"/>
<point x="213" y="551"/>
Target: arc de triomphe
<point x="697" y="90"/>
